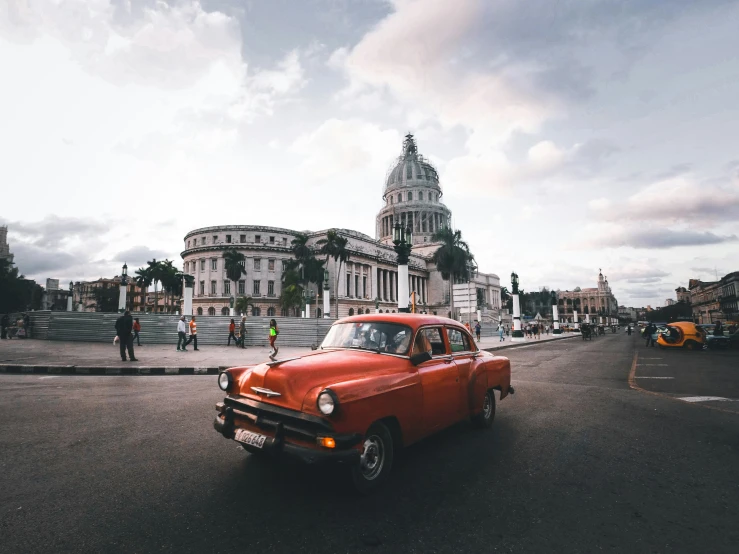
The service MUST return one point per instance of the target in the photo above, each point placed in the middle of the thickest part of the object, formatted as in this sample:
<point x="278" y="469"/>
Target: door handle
<point x="449" y="359"/>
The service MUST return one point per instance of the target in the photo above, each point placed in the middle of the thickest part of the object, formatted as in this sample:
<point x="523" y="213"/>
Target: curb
<point x="107" y="370"/>
<point x="527" y="343"/>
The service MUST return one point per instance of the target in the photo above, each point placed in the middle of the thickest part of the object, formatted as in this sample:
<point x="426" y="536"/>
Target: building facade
<point x="728" y="296"/>
<point x="704" y="298"/>
<point x="411" y="197"/>
<point x="596" y="301"/>
<point x="683" y="295"/>
<point x="4" y="246"/>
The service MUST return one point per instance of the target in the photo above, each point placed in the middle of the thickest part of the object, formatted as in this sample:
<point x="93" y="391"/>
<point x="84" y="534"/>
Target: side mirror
<point x="418" y="359"/>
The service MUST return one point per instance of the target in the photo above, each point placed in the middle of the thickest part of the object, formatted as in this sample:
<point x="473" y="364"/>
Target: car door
<point x="439" y="378"/>
<point x="464" y="353"/>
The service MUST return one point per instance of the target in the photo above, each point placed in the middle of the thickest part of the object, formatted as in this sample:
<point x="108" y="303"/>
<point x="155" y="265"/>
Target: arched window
<point x="400" y="197"/>
<point x="200" y="311"/>
<point x="410" y="196"/>
<point x="434" y="312"/>
<point x="393" y="311"/>
<point x="211" y="311"/>
<point x="318" y="313"/>
<point x="283" y="312"/>
<point x="360" y="311"/>
<point x="224" y="311"/>
<point x="449" y="315"/>
<point x="270" y="312"/>
<point x="351" y="311"/>
<point x="256" y="311"/>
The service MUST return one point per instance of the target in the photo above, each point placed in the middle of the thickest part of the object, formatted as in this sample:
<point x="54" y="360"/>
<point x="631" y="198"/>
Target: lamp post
<point x="403" y="242"/>
<point x="517" y="334"/>
<point x="70" y="298"/>
<point x="188" y="282"/>
<point x="123" y="289"/>
<point x="555" y="315"/>
<point x="308" y="296"/>
<point x="326" y="297"/>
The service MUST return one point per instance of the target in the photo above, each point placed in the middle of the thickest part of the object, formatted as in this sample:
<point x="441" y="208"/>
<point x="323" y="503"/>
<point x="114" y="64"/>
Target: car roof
<point x="682" y="324"/>
<point x="412" y="320"/>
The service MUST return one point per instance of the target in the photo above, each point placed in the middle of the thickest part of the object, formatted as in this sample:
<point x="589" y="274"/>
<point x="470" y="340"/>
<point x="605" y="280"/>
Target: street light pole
<point x="403" y="242"/>
<point x="326" y="297"/>
<point x="517" y="334"/>
<point x="555" y="315"/>
<point x="70" y="298"/>
<point x="123" y="289"/>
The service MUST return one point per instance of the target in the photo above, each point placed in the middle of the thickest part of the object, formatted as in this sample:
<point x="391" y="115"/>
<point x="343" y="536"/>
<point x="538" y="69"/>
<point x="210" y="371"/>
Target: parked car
<point x="682" y="334"/>
<point x="715" y="342"/>
<point x="378" y="382"/>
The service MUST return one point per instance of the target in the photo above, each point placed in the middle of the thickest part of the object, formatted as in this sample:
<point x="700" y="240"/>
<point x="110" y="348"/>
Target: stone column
<point x="403" y="293"/>
<point x="517" y="334"/>
<point x="122" y="297"/>
<point x="574" y="320"/>
<point x="187" y="304"/>
<point x="555" y="320"/>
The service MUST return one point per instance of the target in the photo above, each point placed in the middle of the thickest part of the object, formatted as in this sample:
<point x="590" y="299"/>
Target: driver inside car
<point x="422" y="344"/>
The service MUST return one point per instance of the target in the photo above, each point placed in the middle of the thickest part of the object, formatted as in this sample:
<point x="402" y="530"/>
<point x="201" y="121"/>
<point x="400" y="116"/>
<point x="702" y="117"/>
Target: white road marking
<point x="50" y="377"/>
<point x="650" y="358"/>
<point x="661" y="365"/>
<point x="639" y="377"/>
<point x="707" y="399"/>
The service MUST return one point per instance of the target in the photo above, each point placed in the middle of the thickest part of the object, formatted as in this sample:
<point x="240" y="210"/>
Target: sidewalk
<point x="85" y="358"/>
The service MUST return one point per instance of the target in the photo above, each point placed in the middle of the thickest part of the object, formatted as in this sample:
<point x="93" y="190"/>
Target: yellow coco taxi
<point x="682" y="334"/>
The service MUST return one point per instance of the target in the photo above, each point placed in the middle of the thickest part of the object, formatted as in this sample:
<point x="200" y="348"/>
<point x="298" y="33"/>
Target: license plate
<point x="252" y="439"/>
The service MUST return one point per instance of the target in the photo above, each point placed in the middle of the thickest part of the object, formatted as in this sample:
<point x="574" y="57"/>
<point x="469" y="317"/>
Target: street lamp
<point x="123" y="289"/>
<point x="326" y="297"/>
<point x="403" y="242"/>
<point x="308" y="296"/>
<point x="555" y="315"/>
<point x="517" y="334"/>
<point x="70" y="298"/>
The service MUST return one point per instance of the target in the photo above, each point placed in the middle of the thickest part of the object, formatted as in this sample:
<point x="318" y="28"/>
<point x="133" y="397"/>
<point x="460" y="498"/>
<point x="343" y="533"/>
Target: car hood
<point x="294" y="378"/>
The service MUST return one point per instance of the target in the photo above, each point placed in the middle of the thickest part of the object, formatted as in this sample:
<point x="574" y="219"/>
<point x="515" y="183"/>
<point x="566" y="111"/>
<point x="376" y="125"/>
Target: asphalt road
<point x="576" y="461"/>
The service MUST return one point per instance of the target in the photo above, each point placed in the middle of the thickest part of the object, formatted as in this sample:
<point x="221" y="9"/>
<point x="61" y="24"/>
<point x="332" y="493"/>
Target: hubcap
<point x="373" y="457"/>
<point x="487" y="406"/>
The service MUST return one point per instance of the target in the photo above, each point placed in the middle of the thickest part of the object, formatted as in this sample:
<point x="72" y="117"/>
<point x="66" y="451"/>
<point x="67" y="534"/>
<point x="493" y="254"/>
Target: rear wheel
<point x="485" y="418"/>
<point x="691" y="345"/>
<point x="376" y="460"/>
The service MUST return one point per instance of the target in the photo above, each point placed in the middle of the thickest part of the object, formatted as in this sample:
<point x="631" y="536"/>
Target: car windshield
<point x="369" y="335"/>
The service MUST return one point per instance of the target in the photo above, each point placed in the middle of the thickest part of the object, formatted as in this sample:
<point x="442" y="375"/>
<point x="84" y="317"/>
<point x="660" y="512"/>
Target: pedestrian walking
<point x="4" y="324"/>
<point x="500" y="332"/>
<point x="478" y="330"/>
<point x="182" y="334"/>
<point x="651" y="328"/>
<point x="193" y="333"/>
<point x="273" y="332"/>
<point x="231" y="334"/>
<point x="27" y="325"/>
<point x="136" y="329"/>
<point x="123" y="329"/>
<point x="242" y="332"/>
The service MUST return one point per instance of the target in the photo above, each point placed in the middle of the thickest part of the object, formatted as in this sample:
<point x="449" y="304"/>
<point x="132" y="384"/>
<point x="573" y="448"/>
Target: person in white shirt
<point x="182" y="334"/>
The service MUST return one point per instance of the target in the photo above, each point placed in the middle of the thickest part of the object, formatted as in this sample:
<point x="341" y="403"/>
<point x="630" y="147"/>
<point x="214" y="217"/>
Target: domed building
<point x="368" y="279"/>
<point x="412" y="197"/>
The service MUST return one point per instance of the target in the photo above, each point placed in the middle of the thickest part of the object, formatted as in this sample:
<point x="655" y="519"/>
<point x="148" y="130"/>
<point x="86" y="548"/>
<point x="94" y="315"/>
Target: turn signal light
<point x="327" y="442"/>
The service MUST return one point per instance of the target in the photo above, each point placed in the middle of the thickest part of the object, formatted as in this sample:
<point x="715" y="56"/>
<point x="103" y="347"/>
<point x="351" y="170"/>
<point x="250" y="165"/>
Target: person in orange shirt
<point x="193" y="334"/>
<point x="231" y="335"/>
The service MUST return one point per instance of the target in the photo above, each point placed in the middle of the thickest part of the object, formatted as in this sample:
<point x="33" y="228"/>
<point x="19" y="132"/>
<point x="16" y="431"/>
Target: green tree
<point x="453" y="259"/>
<point x="242" y="303"/>
<point x="335" y="246"/>
<point x="171" y="281"/>
<point x="155" y="271"/>
<point x="234" y="261"/>
<point x="143" y="280"/>
<point x="291" y="295"/>
<point x="105" y="298"/>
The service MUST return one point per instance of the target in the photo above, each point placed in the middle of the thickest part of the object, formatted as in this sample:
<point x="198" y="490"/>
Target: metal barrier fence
<point x="162" y="328"/>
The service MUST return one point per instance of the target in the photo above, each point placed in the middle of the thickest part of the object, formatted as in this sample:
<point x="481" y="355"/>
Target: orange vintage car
<point x="377" y="383"/>
<point x="682" y="334"/>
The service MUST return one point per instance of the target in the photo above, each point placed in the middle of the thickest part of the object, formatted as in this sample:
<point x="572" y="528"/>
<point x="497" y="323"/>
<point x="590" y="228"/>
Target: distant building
<point x="704" y="298"/>
<point x="669" y="302"/>
<point x="629" y="314"/>
<point x="683" y="295"/>
<point x="596" y="301"/>
<point x="4" y="246"/>
<point x="728" y="296"/>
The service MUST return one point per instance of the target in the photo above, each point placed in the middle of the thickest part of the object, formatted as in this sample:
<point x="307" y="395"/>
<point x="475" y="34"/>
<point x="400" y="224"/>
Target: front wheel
<point x="376" y="460"/>
<point x="484" y="419"/>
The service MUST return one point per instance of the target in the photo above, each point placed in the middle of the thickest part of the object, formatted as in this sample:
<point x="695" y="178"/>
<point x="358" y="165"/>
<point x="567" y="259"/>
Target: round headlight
<point x="224" y="380"/>
<point x="327" y="402"/>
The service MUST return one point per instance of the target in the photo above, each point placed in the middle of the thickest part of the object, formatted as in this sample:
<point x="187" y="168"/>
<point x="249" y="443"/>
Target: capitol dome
<point x="412" y="197"/>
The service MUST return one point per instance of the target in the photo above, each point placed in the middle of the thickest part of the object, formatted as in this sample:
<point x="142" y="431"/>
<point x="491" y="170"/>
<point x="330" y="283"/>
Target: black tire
<point x="377" y="459"/>
<point x="691" y="345"/>
<point x="484" y="420"/>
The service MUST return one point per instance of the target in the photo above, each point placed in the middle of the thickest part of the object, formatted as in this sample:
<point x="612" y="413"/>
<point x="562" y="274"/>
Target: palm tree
<point x="143" y="280"/>
<point x="234" y="262"/>
<point x="155" y="269"/>
<point x="291" y="295"/>
<point x="341" y="254"/>
<point x="170" y="280"/>
<point x="453" y="259"/>
<point x="242" y="304"/>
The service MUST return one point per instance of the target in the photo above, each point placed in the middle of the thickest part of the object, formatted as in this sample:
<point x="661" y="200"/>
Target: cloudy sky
<point x="570" y="135"/>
